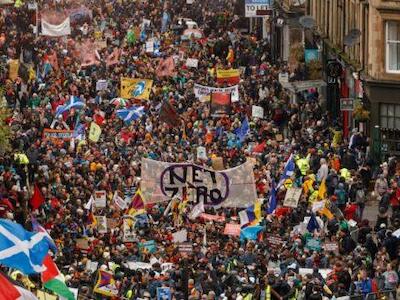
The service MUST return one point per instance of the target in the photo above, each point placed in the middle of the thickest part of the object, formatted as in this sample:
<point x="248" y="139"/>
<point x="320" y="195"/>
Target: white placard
<point x="92" y="266"/>
<point x="149" y="47"/>
<point x="257" y="112"/>
<point x="101" y="85"/>
<point x="135" y="265"/>
<point x="292" y="197"/>
<point x="192" y="63"/>
<point x="283" y="77"/>
<point x="180" y="236"/>
<point x="100" y="199"/>
<point x="201" y="153"/>
<point x="129" y="230"/>
<point x="101" y="224"/>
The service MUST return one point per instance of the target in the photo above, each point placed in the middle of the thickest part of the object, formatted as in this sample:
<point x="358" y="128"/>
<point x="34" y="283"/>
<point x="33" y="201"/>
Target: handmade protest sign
<point x="163" y="181"/>
<point x="100" y="199"/>
<point x="292" y="197"/>
<point x="128" y="228"/>
<point x="232" y="229"/>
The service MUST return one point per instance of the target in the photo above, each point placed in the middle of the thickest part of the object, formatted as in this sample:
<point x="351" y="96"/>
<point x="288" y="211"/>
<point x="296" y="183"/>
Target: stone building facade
<point x="363" y="36"/>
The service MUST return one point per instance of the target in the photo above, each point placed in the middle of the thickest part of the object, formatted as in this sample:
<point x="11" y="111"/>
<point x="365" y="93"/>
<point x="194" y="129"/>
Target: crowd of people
<point x="362" y="259"/>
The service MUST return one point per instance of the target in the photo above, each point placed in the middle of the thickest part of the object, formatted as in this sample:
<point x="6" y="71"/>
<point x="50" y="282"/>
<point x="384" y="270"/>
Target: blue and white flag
<point x="39" y="228"/>
<point x="21" y="249"/>
<point x="74" y="102"/>
<point x="164" y="21"/>
<point x="272" y="203"/>
<point x="288" y="171"/>
<point x="243" y="130"/>
<point x="130" y="114"/>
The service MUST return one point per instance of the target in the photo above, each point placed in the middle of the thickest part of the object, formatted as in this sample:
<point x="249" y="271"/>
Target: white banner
<point x="203" y="92"/>
<point x="56" y="30"/>
<point x="163" y="181"/>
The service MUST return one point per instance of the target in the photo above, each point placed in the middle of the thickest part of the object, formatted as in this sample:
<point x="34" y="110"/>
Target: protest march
<point x="148" y="150"/>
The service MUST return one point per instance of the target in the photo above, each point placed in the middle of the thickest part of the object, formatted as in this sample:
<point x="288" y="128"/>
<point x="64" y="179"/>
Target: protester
<point x="71" y="86"/>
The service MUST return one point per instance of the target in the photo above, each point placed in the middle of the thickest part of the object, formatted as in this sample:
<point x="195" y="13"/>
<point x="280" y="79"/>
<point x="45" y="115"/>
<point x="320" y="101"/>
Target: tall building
<point x="360" y="40"/>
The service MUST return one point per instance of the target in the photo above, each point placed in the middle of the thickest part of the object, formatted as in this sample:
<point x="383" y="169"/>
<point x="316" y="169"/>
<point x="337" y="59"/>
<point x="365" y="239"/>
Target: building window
<point x="390" y="116"/>
<point x="393" y="47"/>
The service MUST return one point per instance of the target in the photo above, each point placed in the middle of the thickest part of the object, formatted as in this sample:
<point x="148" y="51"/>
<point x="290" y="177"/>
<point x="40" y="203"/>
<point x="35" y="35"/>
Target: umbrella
<point x="120" y="102"/>
<point x="193" y="32"/>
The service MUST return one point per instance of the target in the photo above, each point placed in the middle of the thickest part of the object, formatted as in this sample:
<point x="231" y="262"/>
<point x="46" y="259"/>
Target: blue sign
<point x="163" y="293"/>
<point x="310" y="54"/>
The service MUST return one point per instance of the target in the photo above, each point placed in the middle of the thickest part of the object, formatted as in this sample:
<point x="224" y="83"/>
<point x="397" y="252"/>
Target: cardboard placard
<point x="218" y="163"/>
<point x="292" y="197"/>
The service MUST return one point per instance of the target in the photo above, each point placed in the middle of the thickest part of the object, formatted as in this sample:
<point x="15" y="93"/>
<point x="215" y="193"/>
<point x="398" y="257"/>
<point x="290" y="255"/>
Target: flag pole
<point x="37" y="19"/>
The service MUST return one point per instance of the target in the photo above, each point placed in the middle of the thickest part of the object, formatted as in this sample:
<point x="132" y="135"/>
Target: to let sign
<point x="256" y="8"/>
<point x="346" y="104"/>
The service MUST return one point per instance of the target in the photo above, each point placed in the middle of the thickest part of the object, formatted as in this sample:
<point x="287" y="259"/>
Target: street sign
<point x="257" y="8"/>
<point x="346" y="104"/>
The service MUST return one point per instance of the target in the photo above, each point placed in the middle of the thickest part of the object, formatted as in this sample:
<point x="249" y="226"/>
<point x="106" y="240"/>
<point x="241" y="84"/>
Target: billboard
<point x="254" y="8"/>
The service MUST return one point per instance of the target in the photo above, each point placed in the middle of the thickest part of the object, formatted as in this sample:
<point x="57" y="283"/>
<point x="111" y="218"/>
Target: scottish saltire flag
<point x="38" y="228"/>
<point x="21" y="249"/>
<point x="74" y="102"/>
<point x="130" y="114"/>
<point x="272" y="203"/>
<point x="312" y="224"/>
<point x="243" y="130"/>
<point x="288" y="171"/>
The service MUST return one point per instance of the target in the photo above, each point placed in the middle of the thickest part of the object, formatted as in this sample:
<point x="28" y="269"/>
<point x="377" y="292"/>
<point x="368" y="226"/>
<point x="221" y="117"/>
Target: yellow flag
<point x="327" y="213"/>
<point x="94" y="132"/>
<point x="322" y="190"/>
<point x="136" y="88"/>
<point x="14" y="67"/>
